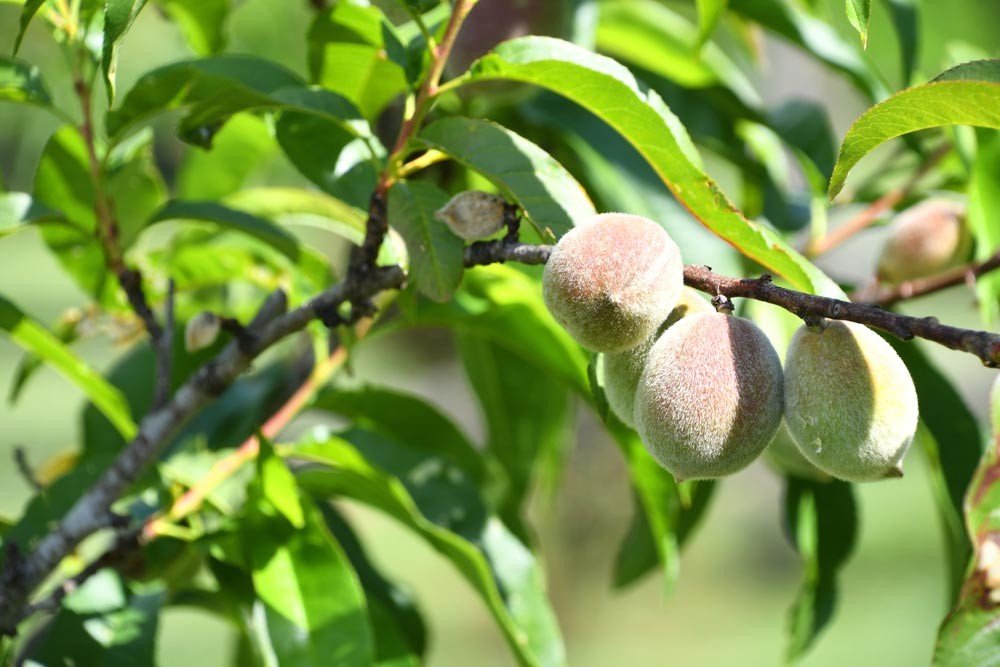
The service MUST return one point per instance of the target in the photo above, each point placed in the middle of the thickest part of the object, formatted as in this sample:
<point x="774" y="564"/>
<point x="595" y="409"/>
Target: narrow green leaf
<point x="709" y="14"/>
<point x="28" y="12"/>
<point x="905" y="19"/>
<point x="968" y="94"/>
<point x="859" y="14"/>
<point x="436" y="254"/>
<point x="301" y="206"/>
<point x="118" y="18"/>
<point x="821" y="520"/>
<point x="309" y="598"/>
<point x="342" y="471"/>
<point x="609" y="91"/>
<point x="21" y="82"/>
<point x="953" y="450"/>
<point x="552" y="199"/>
<point x="210" y="211"/>
<point x="983" y="213"/>
<point x="276" y="485"/>
<point x="34" y="338"/>
<point x="200" y="21"/>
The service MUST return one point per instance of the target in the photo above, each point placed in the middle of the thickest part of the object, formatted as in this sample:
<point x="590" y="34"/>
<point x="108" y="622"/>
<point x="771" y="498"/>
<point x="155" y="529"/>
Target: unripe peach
<point x="611" y="281"/>
<point x="850" y="403"/>
<point x="785" y="457"/>
<point x="710" y="399"/>
<point x="622" y="370"/>
<point x="923" y="240"/>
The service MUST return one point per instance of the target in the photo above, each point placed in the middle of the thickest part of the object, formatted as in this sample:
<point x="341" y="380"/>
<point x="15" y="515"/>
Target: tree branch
<point x="888" y="295"/>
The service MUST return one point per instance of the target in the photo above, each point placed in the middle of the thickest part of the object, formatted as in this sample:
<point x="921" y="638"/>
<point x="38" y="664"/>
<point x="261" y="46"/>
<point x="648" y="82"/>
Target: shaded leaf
<point x="821" y="522"/>
<point x="200" y="21"/>
<point x="118" y="18"/>
<point x="237" y="149"/>
<point x="28" y="12"/>
<point x="309" y="598"/>
<point x="859" y="14"/>
<point x="21" y="82"/>
<point x="348" y="54"/>
<point x="552" y="199"/>
<point x="953" y="449"/>
<point x="609" y="91"/>
<point x="19" y="208"/>
<point x="968" y="94"/>
<point x="436" y="255"/>
<point x="904" y="15"/>
<point x="34" y="338"/>
<point x="983" y="212"/>
<point x="709" y="13"/>
<point x="210" y="211"/>
<point x="341" y="471"/>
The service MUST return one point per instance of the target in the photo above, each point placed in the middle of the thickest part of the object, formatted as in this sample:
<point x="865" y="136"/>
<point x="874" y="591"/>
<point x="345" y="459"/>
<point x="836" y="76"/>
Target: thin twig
<point x="887" y="295"/>
<point x="871" y="213"/>
<point x="23" y="467"/>
<point x="164" y="352"/>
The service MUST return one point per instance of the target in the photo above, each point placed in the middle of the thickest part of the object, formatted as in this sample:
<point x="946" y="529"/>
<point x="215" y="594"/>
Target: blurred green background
<point x="739" y="575"/>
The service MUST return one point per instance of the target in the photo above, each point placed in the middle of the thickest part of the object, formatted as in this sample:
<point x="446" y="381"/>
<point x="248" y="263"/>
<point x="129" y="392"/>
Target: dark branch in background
<point x="888" y="295"/>
<point x="164" y="352"/>
<point x="23" y="467"/>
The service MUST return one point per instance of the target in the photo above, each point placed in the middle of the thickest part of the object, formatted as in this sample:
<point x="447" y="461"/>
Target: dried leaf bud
<point x="201" y="331"/>
<point x="473" y="214"/>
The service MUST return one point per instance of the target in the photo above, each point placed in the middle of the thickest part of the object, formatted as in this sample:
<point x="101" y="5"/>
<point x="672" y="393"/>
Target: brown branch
<point x="872" y="212"/>
<point x="887" y="295"/>
<point x="983" y="344"/>
<point x="164" y="352"/>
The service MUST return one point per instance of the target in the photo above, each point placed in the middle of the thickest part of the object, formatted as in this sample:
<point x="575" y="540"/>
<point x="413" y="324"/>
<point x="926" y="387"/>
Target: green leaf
<point x="34" y="338"/>
<point x="100" y="625"/>
<point x="983" y="212"/>
<point x="19" y="208"/>
<point x="661" y="41"/>
<point x="709" y="13"/>
<point x="28" y="12"/>
<point x="237" y="149"/>
<point x="407" y="420"/>
<point x="552" y="199"/>
<point x="65" y="331"/>
<point x="670" y="510"/>
<point x="796" y="24"/>
<point x="309" y="597"/>
<point x="609" y="91"/>
<point x="821" y="520"/>
<point x="436" y="254"/>
<point x="399" y="630"/>
<point x="953" y="449"/>
<point x="905" y="15"/>
<point x="200" y="21"/>
<point x="348" y="48"/>
<point x="21" y="82"/>
<point x="332" y="157"/>
<point x="343" y="472"/>
<point x="528" y="417"/>
<point x="301" y="206"/>
<point x="213" y="89"/>
<point x="118" y="18"/>
<point x="859" y="13"/>
<point x="968" y="94"/>
<point x="502" y="304"/>
<point x="210" y="211"/>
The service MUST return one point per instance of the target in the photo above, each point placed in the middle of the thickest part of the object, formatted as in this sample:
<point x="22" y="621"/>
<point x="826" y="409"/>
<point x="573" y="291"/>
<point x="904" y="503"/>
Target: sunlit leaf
<point x="21" y="82"/>
<point x="118" y="18"/>
<point x="859" y="13"/>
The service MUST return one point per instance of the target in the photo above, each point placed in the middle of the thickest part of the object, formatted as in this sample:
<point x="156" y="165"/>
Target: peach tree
<point x="448" y="150"/>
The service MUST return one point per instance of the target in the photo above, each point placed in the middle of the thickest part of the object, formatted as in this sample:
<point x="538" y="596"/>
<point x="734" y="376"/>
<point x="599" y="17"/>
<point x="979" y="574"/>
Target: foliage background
<point x="739" y="573"/>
